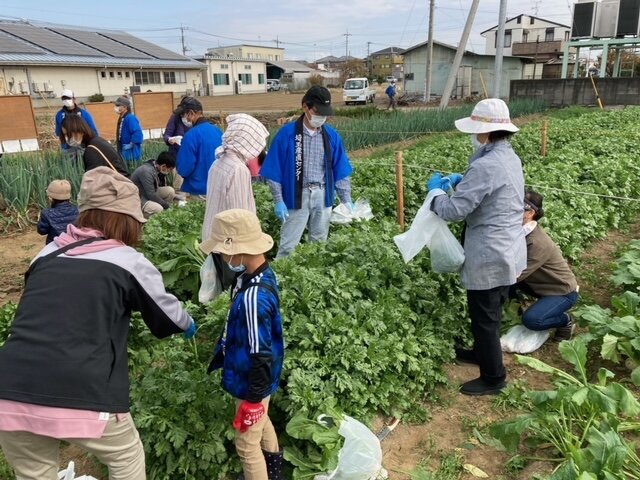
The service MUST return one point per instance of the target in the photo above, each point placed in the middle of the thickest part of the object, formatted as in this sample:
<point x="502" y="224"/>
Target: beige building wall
<point x="253" y="52"/>
<point x="233" y="70"/>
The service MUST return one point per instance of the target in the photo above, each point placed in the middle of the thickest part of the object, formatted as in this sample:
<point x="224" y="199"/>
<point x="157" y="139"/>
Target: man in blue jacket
<point x="128" y="131"/>
<point x="306" y="166"/>
<point x="70" y="107"/>
<point x="198" y="147"/>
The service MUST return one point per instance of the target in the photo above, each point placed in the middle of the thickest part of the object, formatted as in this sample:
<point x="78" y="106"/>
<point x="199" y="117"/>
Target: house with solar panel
<point x="42" y="60"/>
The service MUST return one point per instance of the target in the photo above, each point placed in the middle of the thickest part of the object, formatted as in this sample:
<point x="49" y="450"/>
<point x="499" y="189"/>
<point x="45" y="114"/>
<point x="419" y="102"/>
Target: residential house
<point x="250" y="52"/>
<point x="387" y="62"/>
<point x="229" y="75"/>
<point x="536" y="38"/>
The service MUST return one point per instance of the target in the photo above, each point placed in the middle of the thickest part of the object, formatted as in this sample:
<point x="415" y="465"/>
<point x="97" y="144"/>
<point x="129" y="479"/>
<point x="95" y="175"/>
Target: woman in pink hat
<point x="489" y="198"/>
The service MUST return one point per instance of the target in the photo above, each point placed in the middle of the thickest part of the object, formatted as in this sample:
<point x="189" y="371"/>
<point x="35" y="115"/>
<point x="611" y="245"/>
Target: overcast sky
<point x="307" y="29"/>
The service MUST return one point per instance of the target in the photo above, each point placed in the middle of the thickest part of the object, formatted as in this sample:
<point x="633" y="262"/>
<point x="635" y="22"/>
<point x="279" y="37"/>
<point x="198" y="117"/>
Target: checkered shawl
<point x="245" y="135"/>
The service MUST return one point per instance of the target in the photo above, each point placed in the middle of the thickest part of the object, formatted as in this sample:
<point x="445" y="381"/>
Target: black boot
<point x="274" y="464"/>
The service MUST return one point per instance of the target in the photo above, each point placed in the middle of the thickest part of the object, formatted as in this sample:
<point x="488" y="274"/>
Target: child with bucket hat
<point x="61" y="212"/>
<point x="64" y="369"/>
<point x="489" y="197"/>
<point x="250" y="350"/>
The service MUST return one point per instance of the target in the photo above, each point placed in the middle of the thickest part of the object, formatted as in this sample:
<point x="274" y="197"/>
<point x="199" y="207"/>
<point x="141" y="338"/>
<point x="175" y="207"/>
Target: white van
<point x="357" y="90"/>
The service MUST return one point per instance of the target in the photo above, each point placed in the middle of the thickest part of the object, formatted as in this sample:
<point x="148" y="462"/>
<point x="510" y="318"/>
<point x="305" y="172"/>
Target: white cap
<point x="489" y="115"/>
<point x="67" y="93"/>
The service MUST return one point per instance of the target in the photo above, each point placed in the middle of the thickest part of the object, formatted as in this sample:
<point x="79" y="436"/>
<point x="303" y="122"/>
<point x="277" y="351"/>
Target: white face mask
<point x="116" y="109"/>
<point x="317" y="121"/>
<point x="72" y="142"/>
<point x="186" y="122"/>
<point x="68" y="103"/>
<point x="475" y="142"/>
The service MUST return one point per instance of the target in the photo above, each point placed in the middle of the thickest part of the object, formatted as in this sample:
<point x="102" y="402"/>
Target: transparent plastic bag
<point x="429" y="230"/>
<point x="520" y="339"/>
<point x="210" y="285"/>
<point x="361" y="211"/>
<point x="360" y="457"/>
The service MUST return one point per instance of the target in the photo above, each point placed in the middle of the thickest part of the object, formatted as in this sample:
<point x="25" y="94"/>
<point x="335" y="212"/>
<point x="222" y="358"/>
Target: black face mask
<point x="262" y="156"/>
<point x="225" y="274"/>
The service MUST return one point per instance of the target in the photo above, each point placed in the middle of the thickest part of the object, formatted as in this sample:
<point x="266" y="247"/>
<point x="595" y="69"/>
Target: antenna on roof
<point x="536" y="7"/>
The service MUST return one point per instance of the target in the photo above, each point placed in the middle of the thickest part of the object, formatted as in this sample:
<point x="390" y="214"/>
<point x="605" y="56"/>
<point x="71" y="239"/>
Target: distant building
<point x="41" y="61"/>
<point x="250" y="52"/>
<point x="476" y="72"/>
<point x="536" y="38"/>
<point x="387" y="62"/>
<point x="230" y="75"/>
<point x="332" y="63"/>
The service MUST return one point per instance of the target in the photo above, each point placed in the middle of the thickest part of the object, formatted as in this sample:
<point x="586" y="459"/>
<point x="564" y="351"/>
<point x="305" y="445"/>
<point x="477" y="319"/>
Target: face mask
<point x="72" y="142"/>
<point x="317" y="121"/>
<point x="68" y="103"/>
<point x="186" y="122"/>
<point x="475" y="142"/>
<point x="117" y="109"/>
<point x="236" y="268"/>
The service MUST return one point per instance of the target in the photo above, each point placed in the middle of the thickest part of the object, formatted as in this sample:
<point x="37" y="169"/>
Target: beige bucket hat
<point x="237" y="231"/>
<point x="105" y="189"/>
<point x="59" y="190"/>
<point x="489" y="115"/>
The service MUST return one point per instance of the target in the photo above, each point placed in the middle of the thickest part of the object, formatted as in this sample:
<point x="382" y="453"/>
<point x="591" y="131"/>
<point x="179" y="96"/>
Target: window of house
<point x="221" y="79"/>
<point x="119" y="75"/>
<point x="270" y="56"/>
<point x="103" y="74"/>
<point x="175" y="77"/>
<point x="224" y="66"/>
<point x="531" y="20"/>
<point x="525" y="36"/>
<point x="245" y="78"/>
<point x="519" y="21"/>
<point x="566" y="36"/>
<point x="112" y="75"/>
<point x="250" y="55"/>
<point x="408" y="76"/>
<point x="507" y="38"/>
<point x="127" y="75"/>
<point x="549" y="34"/>
<point x="261" y="78"/>
<point x="147" y="78"/>
<point x="247" y="67"/>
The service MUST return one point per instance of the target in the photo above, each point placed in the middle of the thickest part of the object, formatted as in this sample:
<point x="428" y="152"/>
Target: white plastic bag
<point x="520" y="339"/>
<point x="360" y="457"/>
<point x="210" y="284"/>
<point x="361" y="211"/>
<point x="429" y="230"/>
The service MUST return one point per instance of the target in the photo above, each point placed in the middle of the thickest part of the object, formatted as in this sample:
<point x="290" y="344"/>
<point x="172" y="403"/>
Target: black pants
<point x="485" y="310"/>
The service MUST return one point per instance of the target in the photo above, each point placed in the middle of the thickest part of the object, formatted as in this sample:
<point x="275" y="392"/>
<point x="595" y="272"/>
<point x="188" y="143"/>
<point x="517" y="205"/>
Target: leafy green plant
<point x="7" y="313"/>
<point x="96" y="97"/>
<point x="583" y="422"/>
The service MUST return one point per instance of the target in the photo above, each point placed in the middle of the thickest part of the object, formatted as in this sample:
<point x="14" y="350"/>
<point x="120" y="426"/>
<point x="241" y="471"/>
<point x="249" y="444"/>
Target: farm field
<point x="372" y="334"/>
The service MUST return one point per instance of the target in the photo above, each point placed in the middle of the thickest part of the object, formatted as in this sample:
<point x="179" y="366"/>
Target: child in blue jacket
<point x="251" y="348"/>
<point x="53" y="221"/>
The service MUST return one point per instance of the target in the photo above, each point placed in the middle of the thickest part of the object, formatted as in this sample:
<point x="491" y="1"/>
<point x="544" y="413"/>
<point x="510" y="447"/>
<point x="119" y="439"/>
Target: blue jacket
<point x="390" y="91"/>
<point x="280" y="163"/>
<point x="129" y="138"/>
<point x="63" y="112"/>
<point x="251" y="348"/>
<point x="53" y="221"/>
<point x="197" y="154"/>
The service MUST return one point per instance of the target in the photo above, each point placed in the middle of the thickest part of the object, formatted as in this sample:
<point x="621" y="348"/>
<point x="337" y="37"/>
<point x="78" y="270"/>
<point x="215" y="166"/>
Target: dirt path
<point x="16" y="251"/>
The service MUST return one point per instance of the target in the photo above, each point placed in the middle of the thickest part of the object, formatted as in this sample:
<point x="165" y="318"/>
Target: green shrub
<point x="96" y="97"/>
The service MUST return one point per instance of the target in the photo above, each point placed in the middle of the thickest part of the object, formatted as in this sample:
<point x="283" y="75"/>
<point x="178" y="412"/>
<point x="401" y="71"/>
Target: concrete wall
<point x="481" y="69"/>
<point x="85" y="81"/>
<point x="560" y="92"/>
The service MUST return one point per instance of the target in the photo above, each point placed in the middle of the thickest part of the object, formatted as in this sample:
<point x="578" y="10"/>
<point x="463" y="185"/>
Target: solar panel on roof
<point x="49" y="40"/>
<point x="100" y="42"/>
<point x="143" y="45"/>
<point x="13" y="45"/>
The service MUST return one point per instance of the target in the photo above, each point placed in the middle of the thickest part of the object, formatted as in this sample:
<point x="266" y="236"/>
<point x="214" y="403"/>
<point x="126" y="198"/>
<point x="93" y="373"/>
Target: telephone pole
<point x="502" y="19"/>
<point x="457" y="60"/>
<point x="369" y="59"/>
<point x="184" y="47"/>
<point x="427" y="80"/>
<point x="346" y="50"/>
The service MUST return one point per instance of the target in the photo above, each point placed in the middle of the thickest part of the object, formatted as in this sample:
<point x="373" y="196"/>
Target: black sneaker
<point x="480" y="387"/>
<point x="466" y="356"/>
<point x="566" y="332"/>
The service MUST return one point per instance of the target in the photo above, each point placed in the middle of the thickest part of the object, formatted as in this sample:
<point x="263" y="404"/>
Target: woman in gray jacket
<point x="490" y="199"/>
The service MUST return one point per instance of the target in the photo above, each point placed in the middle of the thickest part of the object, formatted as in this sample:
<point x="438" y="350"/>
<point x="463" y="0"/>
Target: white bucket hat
<point x="489" y="115"/>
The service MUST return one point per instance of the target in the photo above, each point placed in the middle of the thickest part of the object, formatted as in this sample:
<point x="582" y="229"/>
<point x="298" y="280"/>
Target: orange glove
<point x="248" y="414"/>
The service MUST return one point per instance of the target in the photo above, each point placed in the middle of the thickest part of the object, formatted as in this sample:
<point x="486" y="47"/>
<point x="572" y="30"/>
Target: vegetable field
<point x="365" y="333"/>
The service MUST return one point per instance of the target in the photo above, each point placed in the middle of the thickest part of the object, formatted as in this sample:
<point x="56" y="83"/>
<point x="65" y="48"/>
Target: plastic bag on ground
<point x="520" y="339"/>
<point x="360" y="457"/>
<point x="429" y="230"/>
<point x="361" y="211"/>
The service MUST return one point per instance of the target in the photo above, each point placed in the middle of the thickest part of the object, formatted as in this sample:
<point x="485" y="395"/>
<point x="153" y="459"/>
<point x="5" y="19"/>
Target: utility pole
<point x="369" y="58"/>
<point x="457" y="60"/>
<point x="346" y="50"/>
<point x="427" y="80"/>
<point x="502" y="20"/>
<point x="277" y="42"/>
<point x="184" y="47"/>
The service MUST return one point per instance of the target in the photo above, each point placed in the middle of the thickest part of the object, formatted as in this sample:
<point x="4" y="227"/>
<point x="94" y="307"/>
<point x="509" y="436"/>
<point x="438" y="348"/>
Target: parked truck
<point x="358" y="90"/>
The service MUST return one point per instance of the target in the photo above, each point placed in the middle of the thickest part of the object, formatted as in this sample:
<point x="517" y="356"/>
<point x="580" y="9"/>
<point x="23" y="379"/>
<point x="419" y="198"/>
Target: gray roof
<point x="27" y="44"/>
<point x="388" y="50"/>
<point x="523" y="26"/>
<point x="332" y="59"/>
<point x="288" y="66"/>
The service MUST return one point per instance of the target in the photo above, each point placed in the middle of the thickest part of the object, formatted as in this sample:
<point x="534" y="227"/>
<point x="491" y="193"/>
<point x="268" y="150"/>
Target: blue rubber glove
<point x="281" y="211"/>
<point x="191" y="331"/>
<point x="455" y="178"/>
<point x="128" y="146"/>
<point x="436" y="181"/>
<point x="351" y="206"/>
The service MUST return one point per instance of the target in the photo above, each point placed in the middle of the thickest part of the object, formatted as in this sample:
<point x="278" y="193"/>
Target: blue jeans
<point x="313" y="214"/>
<point x="549" y="312"/>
